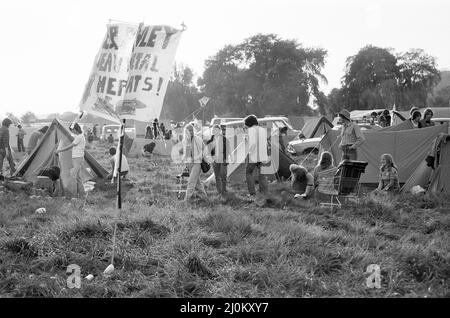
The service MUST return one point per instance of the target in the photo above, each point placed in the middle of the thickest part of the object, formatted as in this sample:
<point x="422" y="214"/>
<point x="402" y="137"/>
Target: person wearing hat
<point x="351" y="136"/>
<point x="5" y="148"/>
<point x="426" y="121"/>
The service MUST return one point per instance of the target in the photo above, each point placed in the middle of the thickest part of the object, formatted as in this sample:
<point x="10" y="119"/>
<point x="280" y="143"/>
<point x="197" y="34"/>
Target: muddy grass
<point x="221" y="248"/>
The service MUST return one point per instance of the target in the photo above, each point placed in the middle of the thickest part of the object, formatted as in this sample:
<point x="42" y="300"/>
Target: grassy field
<point x="231" y="248"/>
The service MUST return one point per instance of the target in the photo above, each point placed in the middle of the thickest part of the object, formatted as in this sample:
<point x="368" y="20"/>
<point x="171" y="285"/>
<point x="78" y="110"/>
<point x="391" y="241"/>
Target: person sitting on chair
<point x="325" y="163"/>
<point x="302" y="182"/>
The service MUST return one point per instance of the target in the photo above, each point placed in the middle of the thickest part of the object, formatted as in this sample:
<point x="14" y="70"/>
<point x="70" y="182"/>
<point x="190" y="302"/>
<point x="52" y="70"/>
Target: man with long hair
<point x="256" y="147"/>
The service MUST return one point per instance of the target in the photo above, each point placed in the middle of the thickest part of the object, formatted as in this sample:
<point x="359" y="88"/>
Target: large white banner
<point x="131" y="72"/>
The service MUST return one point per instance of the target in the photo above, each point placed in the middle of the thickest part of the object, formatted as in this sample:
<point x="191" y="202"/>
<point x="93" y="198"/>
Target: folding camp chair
<point x="341" y="182"/>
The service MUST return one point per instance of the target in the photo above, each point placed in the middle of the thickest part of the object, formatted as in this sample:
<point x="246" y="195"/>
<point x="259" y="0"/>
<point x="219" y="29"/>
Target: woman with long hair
<point x="77" y="145"/>
<point x="388" y="176"/>
<point x="194" y="151"/>
<point x="415" y="119"/>
<point x="325" y="163"/>
<point x="426" y="121"/>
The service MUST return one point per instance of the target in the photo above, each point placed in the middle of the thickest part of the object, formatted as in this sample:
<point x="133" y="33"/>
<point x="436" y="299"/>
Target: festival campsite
<point x="217" y="204"/>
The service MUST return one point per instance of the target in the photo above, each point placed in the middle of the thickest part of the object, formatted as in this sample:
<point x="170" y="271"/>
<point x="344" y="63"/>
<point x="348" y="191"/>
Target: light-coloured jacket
<point x="195" y="150"/>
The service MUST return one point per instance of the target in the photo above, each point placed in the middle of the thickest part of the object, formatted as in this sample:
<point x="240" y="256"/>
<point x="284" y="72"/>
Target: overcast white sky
<point x="48" y="46"/>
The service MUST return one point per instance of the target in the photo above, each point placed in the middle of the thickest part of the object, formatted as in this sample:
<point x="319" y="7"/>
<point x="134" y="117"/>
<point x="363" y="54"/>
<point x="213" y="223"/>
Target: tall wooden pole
<point x="119" y="168"/>
<point x="119" y="192"/>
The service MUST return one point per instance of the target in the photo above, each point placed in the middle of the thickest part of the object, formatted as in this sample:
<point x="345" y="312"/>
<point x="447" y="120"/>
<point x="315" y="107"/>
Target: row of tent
<point x="409" y="148"/>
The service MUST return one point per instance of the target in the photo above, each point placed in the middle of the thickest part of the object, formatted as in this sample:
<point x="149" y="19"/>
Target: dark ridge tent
<point x="43" y="156"/>
<point x="316" y="127"/>
<point x="409" y="149"/>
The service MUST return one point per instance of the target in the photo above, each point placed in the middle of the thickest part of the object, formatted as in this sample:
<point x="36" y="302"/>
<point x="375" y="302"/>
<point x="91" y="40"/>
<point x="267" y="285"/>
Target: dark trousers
<point x="220" y="173"/>
<point x="251" y="180"/>
<point x="349" y="154"/>
<point x="20" y="144"/>
<point x="10" y="159"/>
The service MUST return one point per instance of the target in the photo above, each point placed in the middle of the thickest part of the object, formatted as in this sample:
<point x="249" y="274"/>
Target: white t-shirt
<point x="124" y="166"/>
<point x="78" y="149"/>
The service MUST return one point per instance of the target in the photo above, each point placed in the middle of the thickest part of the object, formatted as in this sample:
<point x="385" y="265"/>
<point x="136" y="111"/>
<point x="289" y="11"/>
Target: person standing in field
<point x="256" y="147"/>
<point x="220" y="151"/>
<point x="148" y="132"/>
<point x="20" y="135"/>
<point x="155" y="128"/>
<point x="351" y="136"/>
<point x="35" y="137"/>
<point x="5" y="148"/>
<point x="194" y="151"/>
<point x="78" y="146"/>
<point x="114" y="161"/>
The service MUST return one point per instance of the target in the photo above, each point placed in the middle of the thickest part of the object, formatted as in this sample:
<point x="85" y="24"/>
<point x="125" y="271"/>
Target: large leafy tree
<point x="442" y="97"/>
<point x="418" y="76"/>
<point x="182" y="95"/>
<point x="376" y="78"/>
<point x="13" y="117"/>
<point x="28" y="117"/>
<point x="370" y="79"/>
<point x="264" y="75"/>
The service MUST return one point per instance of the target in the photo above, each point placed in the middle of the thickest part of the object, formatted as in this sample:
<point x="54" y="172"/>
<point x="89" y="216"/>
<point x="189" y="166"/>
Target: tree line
<point x="268" y="75"/>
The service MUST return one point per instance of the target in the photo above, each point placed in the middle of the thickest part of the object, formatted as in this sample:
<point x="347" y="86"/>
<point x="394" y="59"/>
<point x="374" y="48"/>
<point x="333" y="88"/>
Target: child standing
<point x="114" y="161"/>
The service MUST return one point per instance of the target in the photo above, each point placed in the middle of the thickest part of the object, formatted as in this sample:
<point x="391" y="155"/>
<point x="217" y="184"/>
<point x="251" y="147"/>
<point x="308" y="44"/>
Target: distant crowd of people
<point x="417" y="119"/>
<point x="216" y="152"/>
<point x="157" y="130"/>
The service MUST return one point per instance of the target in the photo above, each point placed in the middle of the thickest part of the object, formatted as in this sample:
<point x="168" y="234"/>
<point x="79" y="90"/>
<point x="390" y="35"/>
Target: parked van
<point x="114" y="130"/>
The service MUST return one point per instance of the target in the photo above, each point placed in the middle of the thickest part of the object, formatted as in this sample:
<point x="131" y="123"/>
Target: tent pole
<point x="119" y="192"/>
